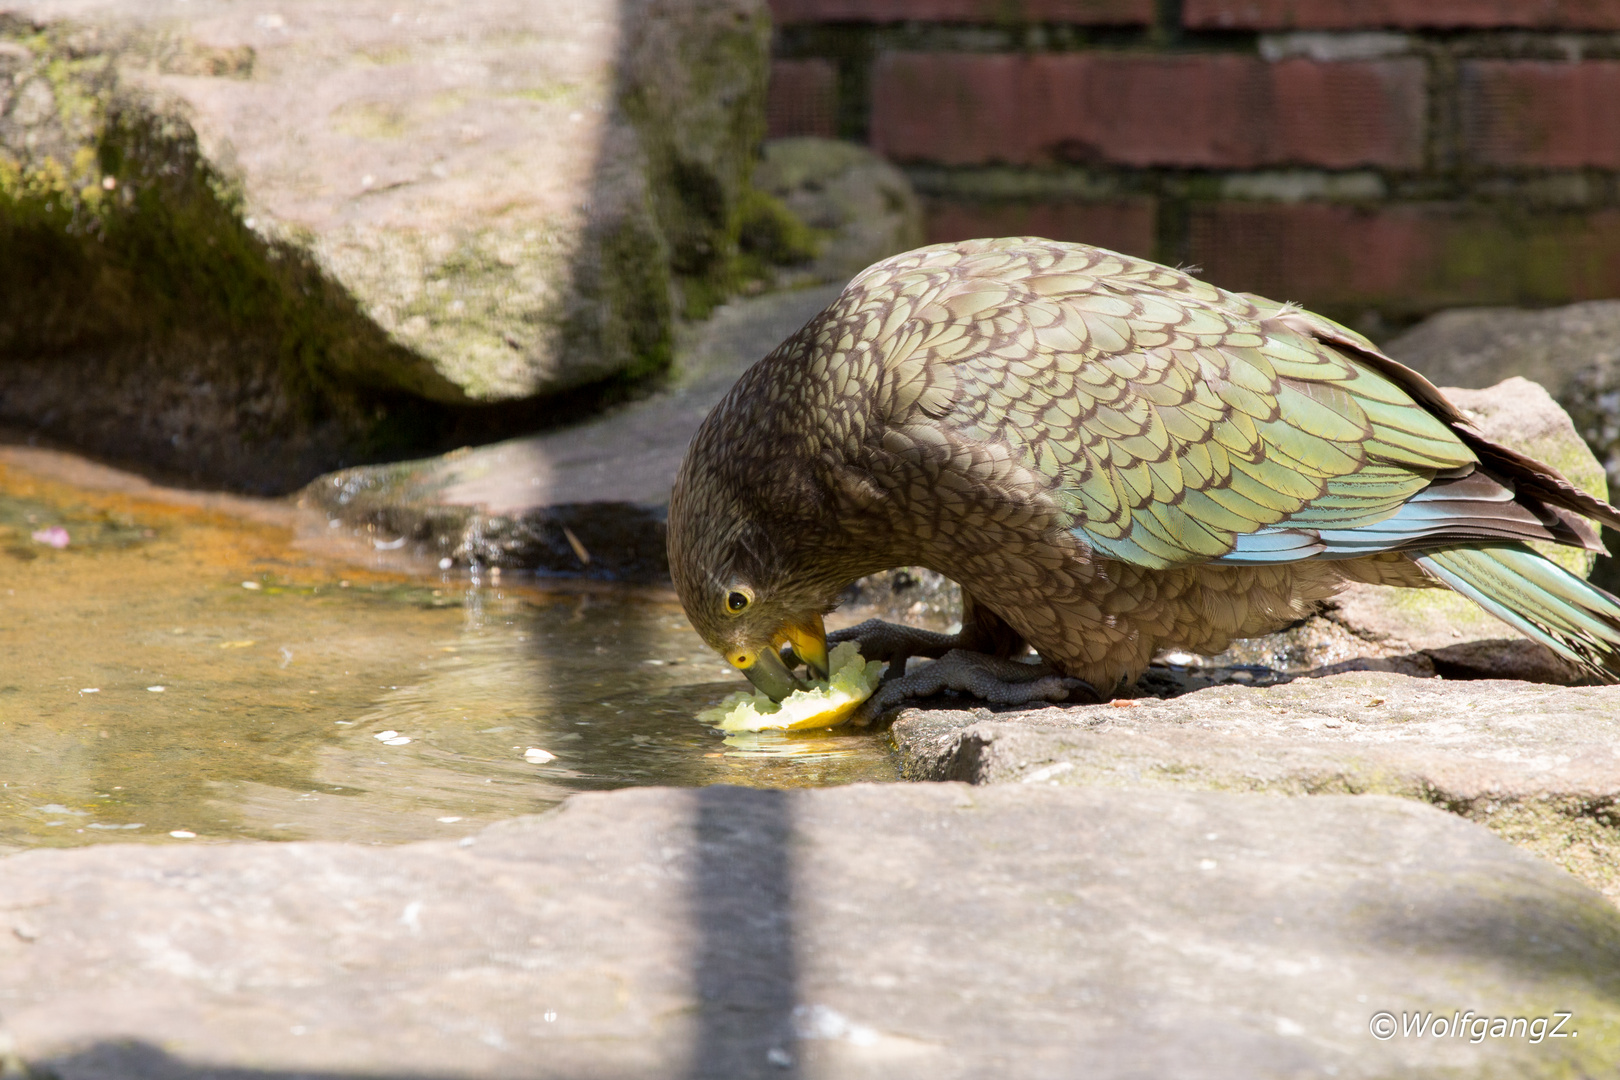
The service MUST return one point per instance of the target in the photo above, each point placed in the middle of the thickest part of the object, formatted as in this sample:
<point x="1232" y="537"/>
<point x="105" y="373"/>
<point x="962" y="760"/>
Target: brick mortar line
<point x="980" y="183"/>
<point x="801" y="40"/>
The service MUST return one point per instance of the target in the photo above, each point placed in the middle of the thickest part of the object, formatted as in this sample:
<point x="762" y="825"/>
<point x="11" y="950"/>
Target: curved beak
<point x="808" y="639"/>
<point x="769" y="672"/>
<point x="771" y="675"/>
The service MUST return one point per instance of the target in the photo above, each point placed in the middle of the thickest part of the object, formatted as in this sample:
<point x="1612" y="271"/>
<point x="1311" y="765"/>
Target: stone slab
<point x="605" y="481"/>
<point x="931" y="930"/>
<point x="1540" y="765"/>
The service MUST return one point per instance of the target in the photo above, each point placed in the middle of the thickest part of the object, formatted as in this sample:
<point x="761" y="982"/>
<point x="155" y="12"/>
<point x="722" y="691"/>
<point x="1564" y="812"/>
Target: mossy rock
<point x="252" y="246"/>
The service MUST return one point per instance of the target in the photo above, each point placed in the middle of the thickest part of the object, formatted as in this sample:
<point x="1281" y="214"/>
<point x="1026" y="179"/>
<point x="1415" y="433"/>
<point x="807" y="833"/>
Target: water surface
<point x="224" y="668"/>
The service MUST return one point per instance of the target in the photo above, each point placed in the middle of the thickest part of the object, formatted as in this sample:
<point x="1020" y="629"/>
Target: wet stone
<point x="932" y="930"/>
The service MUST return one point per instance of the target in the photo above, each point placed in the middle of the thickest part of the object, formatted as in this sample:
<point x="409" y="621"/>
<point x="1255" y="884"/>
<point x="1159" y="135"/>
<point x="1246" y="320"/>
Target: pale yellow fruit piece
<point x="826" y="704"/>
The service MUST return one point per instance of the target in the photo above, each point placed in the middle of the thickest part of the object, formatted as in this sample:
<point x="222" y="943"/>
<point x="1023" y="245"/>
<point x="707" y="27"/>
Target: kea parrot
<point x="1111" y="458"/>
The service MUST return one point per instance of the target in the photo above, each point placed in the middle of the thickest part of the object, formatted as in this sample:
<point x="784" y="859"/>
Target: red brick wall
<point x="1448" y="254"/>
<point x="1218" y="111"/>
<point x="802" y="98"/>
<point x="1542" y="114"/>
<point x="1377" y="159"/>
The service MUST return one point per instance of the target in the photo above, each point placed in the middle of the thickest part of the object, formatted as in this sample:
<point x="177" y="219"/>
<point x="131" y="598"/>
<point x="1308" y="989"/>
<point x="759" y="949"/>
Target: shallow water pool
<point x="176" y="667"/>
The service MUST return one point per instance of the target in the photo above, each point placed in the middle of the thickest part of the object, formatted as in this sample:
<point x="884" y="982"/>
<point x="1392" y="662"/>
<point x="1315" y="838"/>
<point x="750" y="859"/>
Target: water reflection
<point x="175" y="669"/>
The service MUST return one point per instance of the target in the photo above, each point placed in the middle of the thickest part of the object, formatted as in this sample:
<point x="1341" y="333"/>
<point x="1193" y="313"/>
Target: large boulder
<point x="233" y="236"/>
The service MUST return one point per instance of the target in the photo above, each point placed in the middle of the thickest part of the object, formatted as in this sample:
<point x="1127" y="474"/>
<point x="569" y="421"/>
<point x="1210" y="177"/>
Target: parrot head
<point x="761" y="541"/>
<point x="746" y="603"/>
<point x="742" y="553"/>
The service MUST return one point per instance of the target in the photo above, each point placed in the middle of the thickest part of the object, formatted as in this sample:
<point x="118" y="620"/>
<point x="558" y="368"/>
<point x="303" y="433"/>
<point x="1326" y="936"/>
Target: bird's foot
<point x="988" y="678"/>
<point x="895" y="642"/>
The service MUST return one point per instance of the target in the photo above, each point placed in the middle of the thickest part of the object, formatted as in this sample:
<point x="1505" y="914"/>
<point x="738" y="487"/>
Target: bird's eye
<point x="736" y="600"/>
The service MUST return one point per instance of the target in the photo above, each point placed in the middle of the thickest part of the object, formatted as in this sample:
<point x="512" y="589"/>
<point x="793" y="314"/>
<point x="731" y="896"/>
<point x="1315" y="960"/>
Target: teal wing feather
<point x="1539" y="598"/>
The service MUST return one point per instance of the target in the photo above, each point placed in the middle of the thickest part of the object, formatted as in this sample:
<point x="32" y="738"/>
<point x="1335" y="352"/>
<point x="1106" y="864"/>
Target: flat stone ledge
<point x="1539" y="765"/>
<point x="893" y="931"/>
<point x="588" y="500"/>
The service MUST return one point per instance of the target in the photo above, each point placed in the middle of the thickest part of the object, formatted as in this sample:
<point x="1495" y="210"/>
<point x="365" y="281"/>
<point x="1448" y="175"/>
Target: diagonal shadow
<point x="743" y="964"/>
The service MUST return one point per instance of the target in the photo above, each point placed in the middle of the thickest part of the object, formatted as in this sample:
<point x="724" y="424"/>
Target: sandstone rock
<point x="930" y="931"/>
<point x="1538" y="765"/>
<point x="327" y="206"/>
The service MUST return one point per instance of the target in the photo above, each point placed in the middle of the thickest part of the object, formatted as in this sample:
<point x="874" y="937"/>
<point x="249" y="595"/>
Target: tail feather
<point x="1539" y="598"/>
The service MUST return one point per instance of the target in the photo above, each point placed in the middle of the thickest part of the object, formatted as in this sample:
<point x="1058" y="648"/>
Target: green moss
<point x="371" y="120"/>
<point x="699" y="185"/>
<point x="563" y="93"/>
<point x="634" y="289"/>
<point x="385" y="56"/>
<point x="769" y="234"/>
<point x="1580" y="835"/>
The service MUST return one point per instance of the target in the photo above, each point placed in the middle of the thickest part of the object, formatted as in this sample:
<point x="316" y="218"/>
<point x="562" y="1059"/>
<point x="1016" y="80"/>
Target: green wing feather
<point x="1171" y="416"/>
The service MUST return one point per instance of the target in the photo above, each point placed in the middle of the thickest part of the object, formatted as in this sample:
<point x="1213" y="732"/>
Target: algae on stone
<point x="859" y="207"/>
<point x="339" y="237"/>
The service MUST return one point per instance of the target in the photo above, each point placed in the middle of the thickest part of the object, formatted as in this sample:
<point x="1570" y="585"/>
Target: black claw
<point x="1076" y="686"/>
